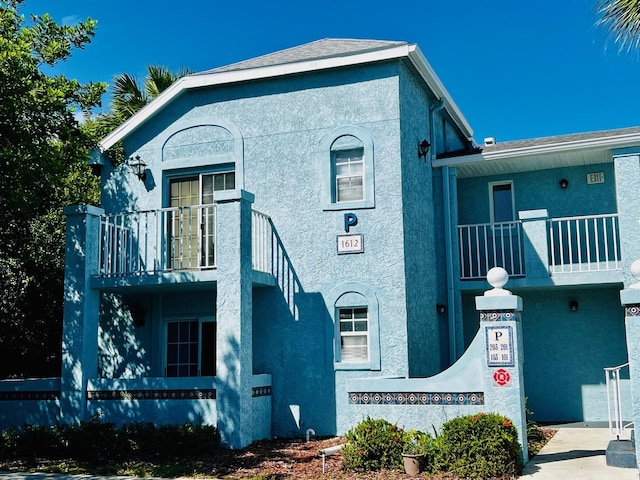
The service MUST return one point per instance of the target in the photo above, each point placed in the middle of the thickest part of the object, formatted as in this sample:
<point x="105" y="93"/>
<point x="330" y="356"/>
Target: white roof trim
<point x="429" y="75"/>
<point x="614" y="141"/>
<point x="234" y="76"/>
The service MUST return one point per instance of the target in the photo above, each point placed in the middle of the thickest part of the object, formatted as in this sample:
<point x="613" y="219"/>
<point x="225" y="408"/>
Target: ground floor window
<point x="354" y="334"/>
<point x="191" y="348"/>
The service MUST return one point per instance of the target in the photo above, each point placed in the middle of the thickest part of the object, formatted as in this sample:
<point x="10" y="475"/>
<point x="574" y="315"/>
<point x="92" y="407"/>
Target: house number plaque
<point x="499" y="346"/>
<point x="353" y="243"/>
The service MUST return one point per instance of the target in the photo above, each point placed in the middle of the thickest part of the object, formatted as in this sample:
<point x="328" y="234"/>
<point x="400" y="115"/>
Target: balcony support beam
<point x="234" y="308"/>
<point x="536" y="250"/>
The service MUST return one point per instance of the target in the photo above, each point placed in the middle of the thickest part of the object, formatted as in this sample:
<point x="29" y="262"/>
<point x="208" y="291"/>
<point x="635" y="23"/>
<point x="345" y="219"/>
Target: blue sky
<point x="516" y="69"/>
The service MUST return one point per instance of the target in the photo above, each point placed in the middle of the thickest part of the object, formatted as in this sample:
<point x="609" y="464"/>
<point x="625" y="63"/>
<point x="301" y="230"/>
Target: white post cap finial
<point x="498" y="278"/>
<point x="635" y="271"/>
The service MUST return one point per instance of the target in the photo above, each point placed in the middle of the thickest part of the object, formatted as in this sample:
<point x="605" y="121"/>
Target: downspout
<point x="448" y="233"/>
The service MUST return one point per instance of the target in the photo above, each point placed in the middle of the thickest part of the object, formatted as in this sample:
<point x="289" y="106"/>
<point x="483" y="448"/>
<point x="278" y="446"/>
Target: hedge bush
<point x="373" y="444"/>
<point x="479" y="446"/>
<point x="94" y="441"/>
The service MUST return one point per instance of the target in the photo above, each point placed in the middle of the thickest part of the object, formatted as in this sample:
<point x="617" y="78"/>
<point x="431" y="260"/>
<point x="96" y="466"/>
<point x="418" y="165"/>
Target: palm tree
<point x="622" y="18"/>
<point x="128" y="96"/>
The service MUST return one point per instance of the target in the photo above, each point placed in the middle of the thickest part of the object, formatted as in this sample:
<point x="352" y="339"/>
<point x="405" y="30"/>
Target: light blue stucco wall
<point x="565" y="352"/>
<point x="279" y="129"/>
<point x="419" y="231"/>
<point x="540" y="189"/>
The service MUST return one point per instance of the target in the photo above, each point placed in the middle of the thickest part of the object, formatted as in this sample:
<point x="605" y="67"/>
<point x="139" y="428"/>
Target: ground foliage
<point x="43" y="154"/>
<point x="159" y="452"/>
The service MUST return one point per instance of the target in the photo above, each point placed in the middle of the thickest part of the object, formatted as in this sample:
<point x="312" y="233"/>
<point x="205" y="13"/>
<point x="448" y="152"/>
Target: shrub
<point x="373" y="445"/>
<point x="479" y="446"/>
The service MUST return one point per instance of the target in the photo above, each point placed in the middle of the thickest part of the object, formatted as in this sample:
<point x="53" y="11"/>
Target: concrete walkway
<point x="577" y="452"/>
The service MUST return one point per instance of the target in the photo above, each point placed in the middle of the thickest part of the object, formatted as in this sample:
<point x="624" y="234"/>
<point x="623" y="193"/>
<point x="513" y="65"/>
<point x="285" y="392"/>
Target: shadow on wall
<point x="120" y="354"/>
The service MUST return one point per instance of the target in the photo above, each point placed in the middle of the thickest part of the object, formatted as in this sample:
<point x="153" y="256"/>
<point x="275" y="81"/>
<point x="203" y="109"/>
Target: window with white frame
<point x="191" y="348"/>
<point x="354" y="334"/>
<point x="357" y="334"/>
<point x="502" y="202"/>
<point x="347" y="169"/>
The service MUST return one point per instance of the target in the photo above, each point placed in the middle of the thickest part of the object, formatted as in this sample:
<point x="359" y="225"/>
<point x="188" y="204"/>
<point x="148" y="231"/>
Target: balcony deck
<point x="539" y="251"/>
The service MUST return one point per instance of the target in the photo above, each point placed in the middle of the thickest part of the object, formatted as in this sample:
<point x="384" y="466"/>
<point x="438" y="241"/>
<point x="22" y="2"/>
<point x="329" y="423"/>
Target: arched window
<point x="348" y="176"/>
<point x="354" y="309"/>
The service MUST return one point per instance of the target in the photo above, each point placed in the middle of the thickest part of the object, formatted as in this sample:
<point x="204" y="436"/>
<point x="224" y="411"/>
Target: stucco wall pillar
<point x="536" y="249"/>
<point x="81" y="310"/>
<point x="627" y="173"/>
<point x="234" y="362"/>
<point x="503" y="364"/>
<point x="630" y="299"/>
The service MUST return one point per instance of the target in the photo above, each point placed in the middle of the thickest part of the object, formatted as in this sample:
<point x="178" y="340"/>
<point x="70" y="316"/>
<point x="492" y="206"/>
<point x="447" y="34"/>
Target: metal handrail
<point x="612" y="376"/>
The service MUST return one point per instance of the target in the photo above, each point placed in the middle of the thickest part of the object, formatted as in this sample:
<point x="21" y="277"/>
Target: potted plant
<point x="416" y="449"/>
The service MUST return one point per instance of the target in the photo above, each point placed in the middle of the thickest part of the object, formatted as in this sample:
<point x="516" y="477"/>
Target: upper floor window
<point x="502" y="204"/>
<point x="348" y="169"/>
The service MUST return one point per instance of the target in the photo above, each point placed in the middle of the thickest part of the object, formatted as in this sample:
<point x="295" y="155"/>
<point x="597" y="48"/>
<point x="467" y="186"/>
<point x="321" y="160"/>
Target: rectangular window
<point x="348" y="167"/>
<point x="502" y="204"/>
<point x="354" y="335"/>
<point x="191" y="348"/>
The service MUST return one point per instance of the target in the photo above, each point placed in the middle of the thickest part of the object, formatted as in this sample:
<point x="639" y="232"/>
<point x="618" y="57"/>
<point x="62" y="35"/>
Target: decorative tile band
<point x="500" y="316"/>
<point x="416" y="398"/>
<point x="36" y="395"/>
<point x="261" y="391"/>
<point x="190" y="394"/>
<point x="632" y="311"/>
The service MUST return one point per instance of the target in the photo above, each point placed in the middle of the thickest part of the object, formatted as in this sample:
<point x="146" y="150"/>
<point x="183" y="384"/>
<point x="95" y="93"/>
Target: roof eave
<point x="614" y="141"/>
<point x="429" y="75"/>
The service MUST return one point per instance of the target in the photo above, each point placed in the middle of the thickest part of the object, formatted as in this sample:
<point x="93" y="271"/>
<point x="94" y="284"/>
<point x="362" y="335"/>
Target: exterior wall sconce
<point x="423" y="149"/>
<point x="441" y="309"/>
<point x="573" y="306"/>
<point x="564" y="183"/>
<point x="138" y="167"/>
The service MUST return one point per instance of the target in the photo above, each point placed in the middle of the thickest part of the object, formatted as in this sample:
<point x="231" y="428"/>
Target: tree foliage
<point x="622" y="19"/>
<point x="43" y="153"/>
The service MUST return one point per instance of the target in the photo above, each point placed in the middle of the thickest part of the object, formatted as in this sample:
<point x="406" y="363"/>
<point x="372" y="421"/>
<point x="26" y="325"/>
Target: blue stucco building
<point x="306" y="245"/>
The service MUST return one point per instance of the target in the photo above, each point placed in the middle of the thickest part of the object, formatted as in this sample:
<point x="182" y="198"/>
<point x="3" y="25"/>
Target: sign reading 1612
<point x="353" y="243"/>
<point x="499" y="346"/>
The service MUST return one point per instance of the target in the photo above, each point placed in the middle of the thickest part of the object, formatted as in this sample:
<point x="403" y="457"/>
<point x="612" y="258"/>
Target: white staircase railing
<point x="614" y="401"/>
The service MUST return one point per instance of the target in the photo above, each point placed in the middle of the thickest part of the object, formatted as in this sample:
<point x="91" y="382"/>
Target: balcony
<point x="538" y="248"/>
<point x="178" y="241"/>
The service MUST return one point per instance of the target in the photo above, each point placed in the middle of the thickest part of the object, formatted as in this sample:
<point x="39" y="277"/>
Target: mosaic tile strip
<point x="632" y="311"/>
<point x="500" y="316"/>
<point x="416" y="398"/>
<point x="261" y="391"/>
<point x="190" y="394"/>
<point x="19" y="396"/>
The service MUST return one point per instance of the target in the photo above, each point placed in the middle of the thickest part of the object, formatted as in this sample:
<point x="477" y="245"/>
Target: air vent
<point x="489" y="141"/>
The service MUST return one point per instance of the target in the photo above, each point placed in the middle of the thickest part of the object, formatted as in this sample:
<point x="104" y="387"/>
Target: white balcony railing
<point x="487" y="245"/>
<point x="584" y="244"/>
<point x="171" y="239"/>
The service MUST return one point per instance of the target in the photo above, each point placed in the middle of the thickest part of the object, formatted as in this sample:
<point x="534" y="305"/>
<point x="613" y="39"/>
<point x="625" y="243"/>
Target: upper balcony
<point x="175" y="245"/>
<point x="541" y="251"/>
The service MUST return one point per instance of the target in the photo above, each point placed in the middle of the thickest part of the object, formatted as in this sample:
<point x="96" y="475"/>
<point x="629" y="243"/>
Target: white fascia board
<point x="616" y="141"/>
<point x="234" y="76"/>
<point x="429" y="75"/>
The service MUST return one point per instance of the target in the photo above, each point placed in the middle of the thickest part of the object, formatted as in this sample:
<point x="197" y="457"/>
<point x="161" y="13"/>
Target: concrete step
<point x="622" y="454"/>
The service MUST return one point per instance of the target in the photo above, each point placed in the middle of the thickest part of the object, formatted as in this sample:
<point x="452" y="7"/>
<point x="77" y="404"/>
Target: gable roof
<point x="319" y="55"/>
<point x="542" y="153"/>
<point x="318" y="50"/>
